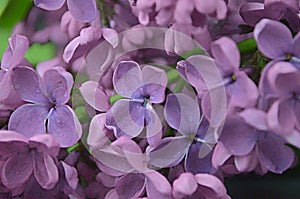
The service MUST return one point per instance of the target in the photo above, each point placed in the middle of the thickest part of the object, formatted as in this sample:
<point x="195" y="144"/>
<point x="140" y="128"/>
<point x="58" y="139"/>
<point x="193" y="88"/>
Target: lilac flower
<point x="82" y="10"/>
<point x="142" y="88"/>
<point x="133" y="184"/>
<point x="47" y="96"/>
<point x="197" y="186"/>
<point x="88" y="39"/>
<point x="12" y="57"/>
<point x="253" y="12"/>
<point x="182" y="114"/>
<point x="240" y="89"/>
<point x="247" y="132"/>
<point x="24" y="157"/>
<point x="283" y="115"/>
<point x="275" y="41"/>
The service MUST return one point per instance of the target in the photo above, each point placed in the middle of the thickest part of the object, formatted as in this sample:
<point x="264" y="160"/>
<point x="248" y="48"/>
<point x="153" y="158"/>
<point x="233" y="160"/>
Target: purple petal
<point x="5" y="84"/>
<point x="269" y="145"/>
<point x="215" y="188"/>
<point x="111" y="36"/>
<point x="283" y="79"/>
<point x="70" y="49"/>
<point x="238" y="137"/>
<point x="45" y="143"/>
<point x="220" y="155"/>
<point x="246" y="163"/>
<point x="71" y="175"/>
<point x="26" y="83"/>
<point x="63" y="124"/>
<point x="226" y="54"/>
<point x="252" y="12"/>
<point x="97" y="132"/>
<point x="12" y="143"/>
<point x="94" y="95"/>
<point x="243" y="91"/>
<point x="293" y="138"/>
<point x="157" y="186"/>
<point x="281" y="117"/>
<point x="273" y="38"/>
<point x="58" y="84"/>
<point x="130" y="186"/>
<point x="126" y="118"/>
<point x="16" y="170"/>
<point x="170" y="152"/>
<point x="254" y="117"/>
<point x="49" y="4"/>
<point x="184" y="185"/>
<point x="14" y="55"/>
<point x="152" y="75"/>
<point x="154" y="126"/>
<point x="29" y="120"/>
<point x="45" y="170"/>
<point x="182" y="113"/>
<point x="296" y="50"/>
<point x="82" y="10"/>
<point x="127" y="78"/>
<point x="195" y="163"/>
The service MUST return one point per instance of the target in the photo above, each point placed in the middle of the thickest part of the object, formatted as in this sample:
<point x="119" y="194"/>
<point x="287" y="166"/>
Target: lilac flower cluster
<point x="157" y="99"/>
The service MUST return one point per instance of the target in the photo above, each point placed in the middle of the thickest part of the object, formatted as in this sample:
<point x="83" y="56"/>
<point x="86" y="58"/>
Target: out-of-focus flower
<point x="47" y="97"/>
<point x="82" y="10"/>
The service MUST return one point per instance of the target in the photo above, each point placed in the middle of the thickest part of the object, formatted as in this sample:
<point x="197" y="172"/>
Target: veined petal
<point x="273" y="38"/>
<point x="182" y="113"/>
<point x="26" y="83"/>
<point x="127" y="78"/>
<point x="83" y="10"/>
<point x="29" y="120"/>
<point x="63" y="124"/>
<point x="45" y="170"/>
<point x="16" y="170"/>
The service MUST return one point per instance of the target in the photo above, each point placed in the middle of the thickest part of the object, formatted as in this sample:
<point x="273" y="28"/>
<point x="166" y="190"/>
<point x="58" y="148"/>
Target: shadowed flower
<point x="24" y="157"/>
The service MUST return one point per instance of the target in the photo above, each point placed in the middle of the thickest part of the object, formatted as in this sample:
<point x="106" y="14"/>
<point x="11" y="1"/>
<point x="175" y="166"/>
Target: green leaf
<point x="247" y="46"/>
<point x="3" y="5"/>
<point x="72" y="148"/>
<point x="81" y="114"/>
<point x="115" y="98"/>
<point x="11" y="12"/>
<point x="195" y="51"/>
<point x="40" y="52"/>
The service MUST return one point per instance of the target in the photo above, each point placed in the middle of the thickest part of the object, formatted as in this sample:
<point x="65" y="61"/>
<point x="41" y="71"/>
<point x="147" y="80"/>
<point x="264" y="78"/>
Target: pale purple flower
<point x="142" y="88"/>
<point x="198" y="186"/>
<point x="276" y="41"/>
<point x="133" y="184"/>
<point x="240" y="89"/>
<point x="24" y="157"/>
<point x="47" y="97"/>
<point x="246" y="136"/>
<point x="283" y="115"/>
<point x="253" y="12"/>
<point x="182" y="114"/>
<point x="82" y="10"/>
<point x="12" y="57"/>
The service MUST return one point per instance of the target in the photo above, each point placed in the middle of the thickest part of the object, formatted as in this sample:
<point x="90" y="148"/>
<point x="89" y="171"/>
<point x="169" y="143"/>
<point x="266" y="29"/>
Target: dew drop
<point x="17" y="173"/>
